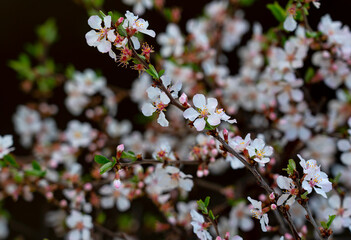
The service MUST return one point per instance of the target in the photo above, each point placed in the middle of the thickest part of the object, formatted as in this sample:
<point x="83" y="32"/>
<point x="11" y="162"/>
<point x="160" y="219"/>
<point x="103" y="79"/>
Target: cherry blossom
<point x="291" y="190"/>
<point x="258" y="213"/>
<point x="205" y="112"/>
<point x="139" y="5"/>
<point x="133" y="24"/>
<point x="200" y="226"/>
<point x="172" y="41"/>
<point x="290" y="24"/>
<point x="314" y="179"/>
<point x="112" y="196"/>
<point x="103" y="37"/>
<point x="80" y="226"/>
<point x="6" y="143"/>
<point x="79" y="134"/>
<point x="259" y="151"/>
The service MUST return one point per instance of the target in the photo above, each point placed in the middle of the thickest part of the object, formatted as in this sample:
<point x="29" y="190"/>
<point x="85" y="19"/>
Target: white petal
<point x="290" y="23"/>
<point x="199" y="124"/>
<point x="162" y="120"/>
<point x="151" y="33"/>
<point x="148" y="109"/>
<point x="104" y="46"/>
<point x="91" y="38"/>
<point x="95" y="22"/>
<point x="212" y="104"/>
<point x="123" y="204"/>
<point x="199" y="101"/>
<point x="135" y="42"/>
<point x="107" y="21"/>
<point x="111" y="36"/>
<point x="344" y="145"/>
<point x="190" y="114"/>
<point x="214" y="120"/>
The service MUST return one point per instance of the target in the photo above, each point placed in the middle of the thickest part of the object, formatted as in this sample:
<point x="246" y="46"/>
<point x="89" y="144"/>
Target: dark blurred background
<point x="19" y="18"/>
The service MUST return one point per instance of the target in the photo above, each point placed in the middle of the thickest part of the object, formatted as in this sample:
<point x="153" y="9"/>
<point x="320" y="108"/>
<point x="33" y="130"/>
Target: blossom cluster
<point x="208" y="130"/>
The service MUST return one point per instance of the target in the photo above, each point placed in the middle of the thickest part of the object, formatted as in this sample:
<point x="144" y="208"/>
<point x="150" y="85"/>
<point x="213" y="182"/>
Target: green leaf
<point x="101" y="159"/>
<point x="102" y="14"/>
<point x="246" y="3"/>
<point x="324" y="225"/>
<point x="10" y="160"/>
<point x="292" y="164"/>
<point x="210" y="214"/>
<point x="101" y="218"/>
<point x="48" y="31"/>
<point x="106" y="167"/>
<point x="304" y="196"/>
<point x="309" y="74"/>
<point x="34" y="172"/>
<point x="337" y="178"/>
<point x="277" y="11"/>
<point x="160" y="73"/>
<point x="129" y="155"/>
<point x="152" y="71"/>
<point x="201" y="206"/>
<point x="207" y="201"/>
<point x="330" y="220"/>
<point x="36" y="165"/>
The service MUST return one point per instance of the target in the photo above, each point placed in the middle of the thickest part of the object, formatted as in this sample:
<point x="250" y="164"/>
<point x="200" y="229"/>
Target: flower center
<point x="204" y="112"/>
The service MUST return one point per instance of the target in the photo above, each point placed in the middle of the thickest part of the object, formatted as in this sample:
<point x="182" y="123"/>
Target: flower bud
<point x="273" y="206"/>
<point x="271" y="196"/>
<point x="225" y="134"/>
<point x="117" y="183"/>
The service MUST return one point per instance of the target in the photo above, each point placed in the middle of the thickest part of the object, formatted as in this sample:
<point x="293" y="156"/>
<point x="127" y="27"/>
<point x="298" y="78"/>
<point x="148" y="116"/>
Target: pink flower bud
<point x="63" y="203"/>
<point x="49" y="195"/>
<point x="225" y="134"/>
<point x="117" y="183"/>
<point x="271" y="196"/>
<point x="206" y="172"/>
<point x="214" y="152"/>
<point x="288" y="236"/>
<point x="199" y="173"/>
<point x="183" y="99"/>
<point x="140" y="184"/>
<point x="273" y="206"/>
<point x="262" y="197"/>
<point x="120" y="20"/>
<point x="88" y="187"/>
<point x="120" y="148"/>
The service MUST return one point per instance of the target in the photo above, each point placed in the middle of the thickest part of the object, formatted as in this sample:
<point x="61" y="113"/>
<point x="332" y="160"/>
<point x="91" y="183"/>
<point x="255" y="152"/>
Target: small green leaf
<point x="160" y="73"/>
<point x="101" y="218"/>
<point x="10" y="160"/>
<point x="277" y="11"/>
<point x="201" y="206"/>
<point x="337" y="178"/>
<point x="292" y="164"/>
<point x="309" y="74"/>
<point x="35" y="172"/>
<point x="330" y="220"/>
<point x="103" y="15"/>
<point x="246" y="3"/>
<point x="152" y="71"/>
<point x="210" y="214"/>
<point x="101" y="159"/>
<point x="106" y="167"/>
<point x="207" y="201"/>
<point x="304" y="196"/>
<point x="36" y="165"/>
<point x="129" y="155"/>
<point x="324" y="225"/>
